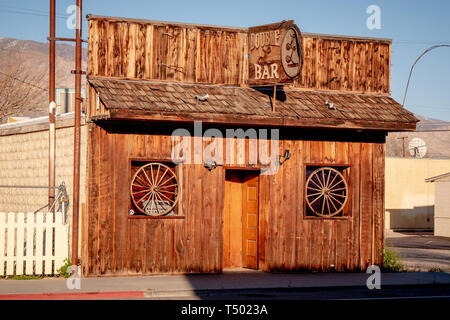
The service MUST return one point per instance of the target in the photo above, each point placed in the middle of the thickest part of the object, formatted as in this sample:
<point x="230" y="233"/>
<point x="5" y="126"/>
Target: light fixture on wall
<point x="210" y="164"/>
<point x="286" y="155"/>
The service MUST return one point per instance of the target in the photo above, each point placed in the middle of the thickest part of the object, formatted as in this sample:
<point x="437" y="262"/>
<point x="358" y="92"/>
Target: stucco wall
<point x="442" y="208"/>
<point x="409" y="199"/>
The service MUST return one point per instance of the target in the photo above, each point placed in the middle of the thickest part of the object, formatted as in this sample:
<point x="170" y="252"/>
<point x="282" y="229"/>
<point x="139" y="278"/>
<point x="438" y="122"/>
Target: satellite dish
<point x="417" y="148"/>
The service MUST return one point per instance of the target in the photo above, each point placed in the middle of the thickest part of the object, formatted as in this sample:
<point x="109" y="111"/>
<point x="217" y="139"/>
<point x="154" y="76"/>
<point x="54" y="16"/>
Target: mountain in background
<point x="437" y="142"/>
<point x="24" y="67"/>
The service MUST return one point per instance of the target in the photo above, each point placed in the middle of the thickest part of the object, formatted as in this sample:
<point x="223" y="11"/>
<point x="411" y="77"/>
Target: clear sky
<point x="413" y="25"/>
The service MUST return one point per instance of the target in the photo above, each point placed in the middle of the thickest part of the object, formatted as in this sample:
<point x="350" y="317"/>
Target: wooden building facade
<point x="148" y="80"/>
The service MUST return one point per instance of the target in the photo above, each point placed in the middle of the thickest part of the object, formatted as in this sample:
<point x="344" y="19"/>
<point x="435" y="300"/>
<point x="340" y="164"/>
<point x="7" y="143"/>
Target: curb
<point x="74" y="295"/>
<point x="179" y="293"/>
<point x="174" y="293"/>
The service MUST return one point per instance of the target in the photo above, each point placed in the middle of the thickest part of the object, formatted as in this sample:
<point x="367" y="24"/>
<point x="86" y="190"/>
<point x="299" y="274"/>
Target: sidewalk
<point x="195" y="285"/>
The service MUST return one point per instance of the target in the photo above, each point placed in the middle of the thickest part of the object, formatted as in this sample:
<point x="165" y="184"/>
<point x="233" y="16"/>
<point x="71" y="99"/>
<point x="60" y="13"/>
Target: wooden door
<point x="250" y="221"/>
<point x="240" y="220"/>
<point x="232" y="221"/>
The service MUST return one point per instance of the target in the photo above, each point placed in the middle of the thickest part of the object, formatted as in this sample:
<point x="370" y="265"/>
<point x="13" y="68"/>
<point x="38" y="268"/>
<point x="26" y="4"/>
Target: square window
<point x="154" y="189"/>
<point x="327" y="191"/>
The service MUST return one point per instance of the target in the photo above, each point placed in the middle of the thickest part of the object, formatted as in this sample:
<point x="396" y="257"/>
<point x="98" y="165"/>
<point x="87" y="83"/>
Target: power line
<point x="20" y="80"/>
<point x="398" y="41"/>
<point x="32" y="11"/>
<point x="21" y="8"/>
<point x="28" y="13"/>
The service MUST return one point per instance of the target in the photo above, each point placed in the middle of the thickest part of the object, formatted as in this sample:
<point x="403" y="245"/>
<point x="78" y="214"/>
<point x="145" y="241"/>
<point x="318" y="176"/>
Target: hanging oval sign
<point x="290" y="53"/>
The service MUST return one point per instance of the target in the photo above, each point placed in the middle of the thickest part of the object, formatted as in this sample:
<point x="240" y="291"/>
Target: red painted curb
<point x="74" y="295"/>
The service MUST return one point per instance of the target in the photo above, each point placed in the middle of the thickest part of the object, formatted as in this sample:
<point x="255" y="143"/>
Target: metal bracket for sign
<point x="211" y="164"/>
<point x="176" y="68"/>
<point x="65" y="39"/>
<point x="77" y="72"/>
<point x="274" y="97"/>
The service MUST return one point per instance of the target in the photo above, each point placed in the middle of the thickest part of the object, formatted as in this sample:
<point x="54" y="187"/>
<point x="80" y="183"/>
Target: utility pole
<point x="76" y="154"/>
<point x="77" y="122"/>
<point x="52" y="108"/>
<point x="403" y="145"/>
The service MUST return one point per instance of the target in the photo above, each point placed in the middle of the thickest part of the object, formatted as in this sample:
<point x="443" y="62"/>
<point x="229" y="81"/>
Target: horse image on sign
<point x="274" y="53"/>
<point x="290" y="55"/>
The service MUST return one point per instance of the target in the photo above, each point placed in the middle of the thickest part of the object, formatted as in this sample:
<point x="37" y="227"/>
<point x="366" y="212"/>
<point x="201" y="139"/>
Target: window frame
<point x="176" y="168"/>
<point x="347" y="211"/>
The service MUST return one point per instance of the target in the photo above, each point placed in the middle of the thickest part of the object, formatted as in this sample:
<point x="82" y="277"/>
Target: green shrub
<point x="63" y="271"/>
<point x="391" y="261"/>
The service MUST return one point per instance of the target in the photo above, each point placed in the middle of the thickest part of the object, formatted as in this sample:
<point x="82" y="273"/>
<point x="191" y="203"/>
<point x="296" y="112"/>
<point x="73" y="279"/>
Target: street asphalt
<point x="420" y="251"/>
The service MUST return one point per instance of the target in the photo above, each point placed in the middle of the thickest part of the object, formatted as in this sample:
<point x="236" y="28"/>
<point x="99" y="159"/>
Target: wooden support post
<point x="403" y="146"/>
<point x="274" y="98"/>
<point x="77" y="137"/>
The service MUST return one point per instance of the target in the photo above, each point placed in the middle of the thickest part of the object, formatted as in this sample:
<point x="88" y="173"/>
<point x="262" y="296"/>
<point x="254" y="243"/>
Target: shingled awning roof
<point x="171" y="101"/>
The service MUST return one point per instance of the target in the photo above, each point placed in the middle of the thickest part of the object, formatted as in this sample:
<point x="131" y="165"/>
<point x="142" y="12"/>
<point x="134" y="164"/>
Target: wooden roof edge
<point x="165" y="82"/>
<point x="249" y="120"/>
<point x="441" y="176"/>
<point x="231" y="86"/>
<point x="230" y="28"/>
<point x="225" y="86"/>
<point x="345" y="37"/>
<point x="160" y="22"/>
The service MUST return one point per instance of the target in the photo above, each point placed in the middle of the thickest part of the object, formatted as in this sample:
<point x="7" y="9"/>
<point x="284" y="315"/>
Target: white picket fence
<point x="32" y="243"/>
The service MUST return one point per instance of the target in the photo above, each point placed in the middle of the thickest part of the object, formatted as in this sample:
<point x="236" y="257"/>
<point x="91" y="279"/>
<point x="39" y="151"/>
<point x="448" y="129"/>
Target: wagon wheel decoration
<point x="154" y="189"/>
<point x="326" y="192"/>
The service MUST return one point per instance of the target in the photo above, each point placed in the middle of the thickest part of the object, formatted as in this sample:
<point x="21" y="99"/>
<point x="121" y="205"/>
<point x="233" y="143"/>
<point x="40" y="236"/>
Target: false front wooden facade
<point x="152" y="84"/>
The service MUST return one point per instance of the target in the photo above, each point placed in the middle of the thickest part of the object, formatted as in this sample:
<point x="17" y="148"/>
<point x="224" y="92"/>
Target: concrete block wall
<point x="24" y="161"/>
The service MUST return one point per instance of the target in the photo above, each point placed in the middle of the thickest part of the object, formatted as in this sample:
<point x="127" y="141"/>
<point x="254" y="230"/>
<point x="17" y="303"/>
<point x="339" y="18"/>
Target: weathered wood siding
<point x="167" y="52"/>
<point x="117" y="244"/>
<point x="201" y="54"/>
<point x="294" y="241"/>
<point x="340" y="64"/>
